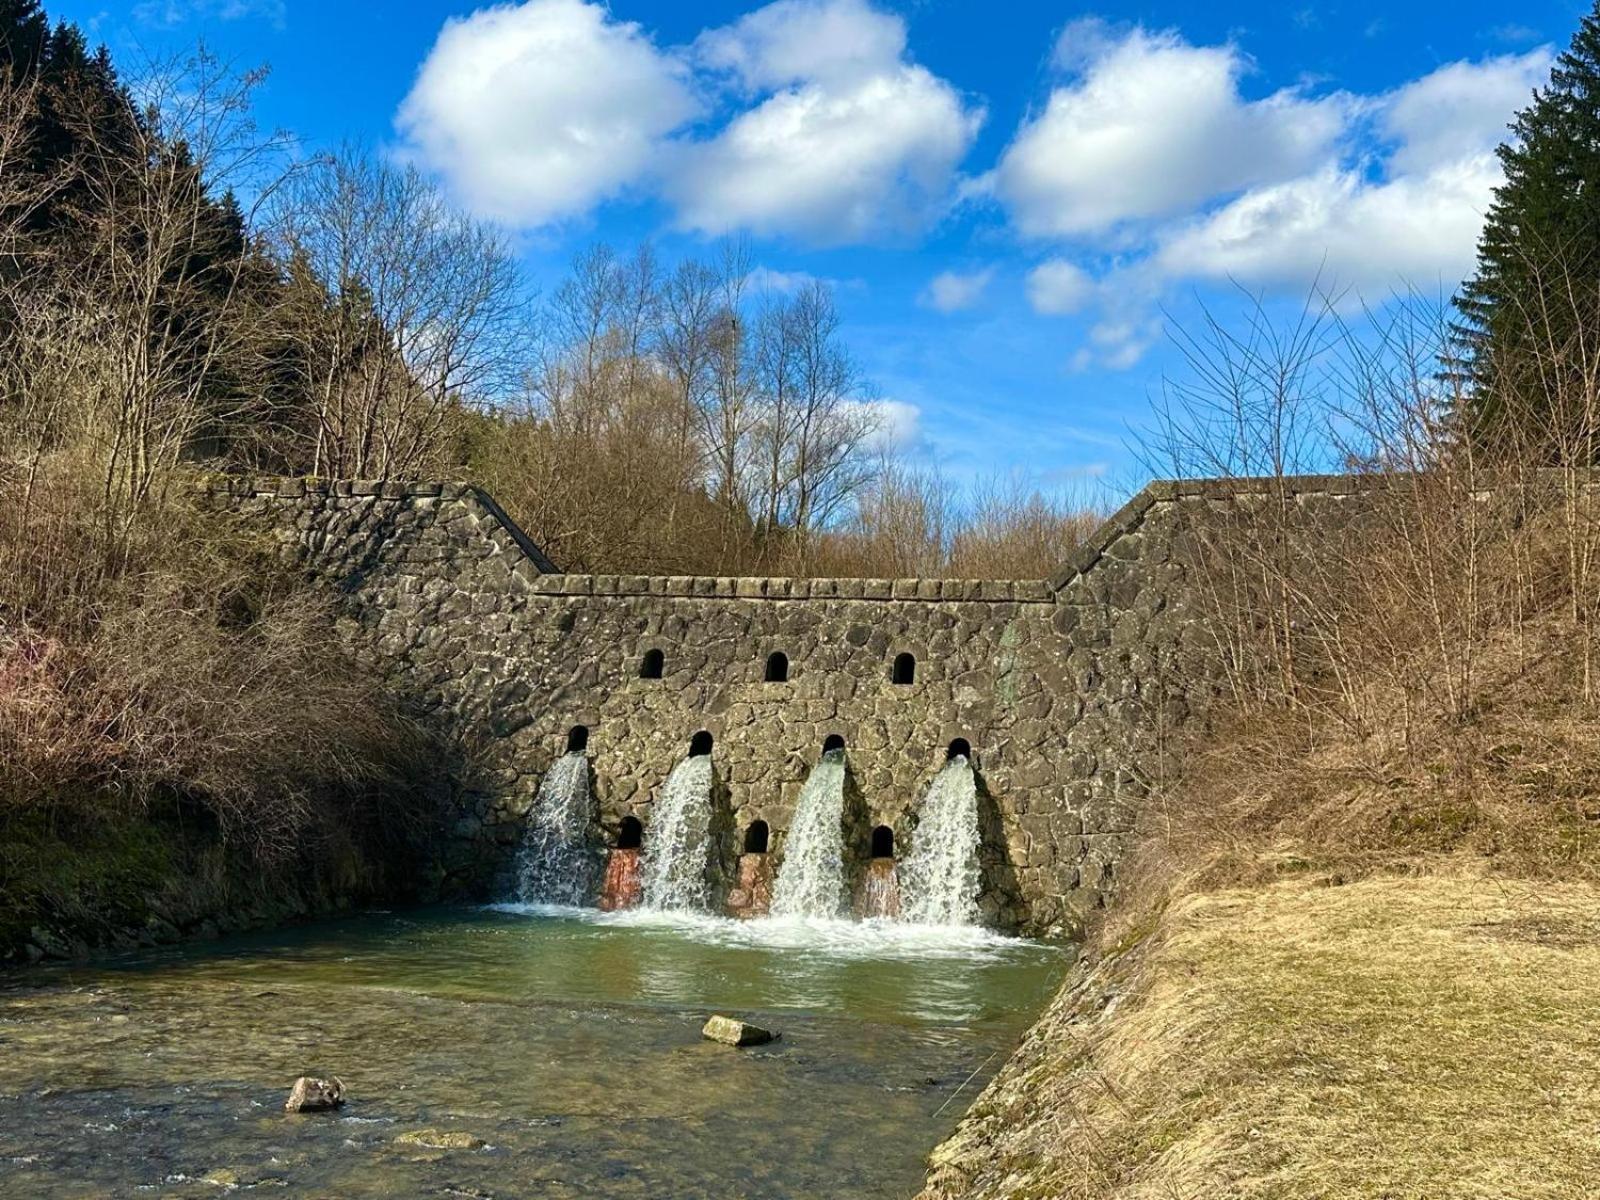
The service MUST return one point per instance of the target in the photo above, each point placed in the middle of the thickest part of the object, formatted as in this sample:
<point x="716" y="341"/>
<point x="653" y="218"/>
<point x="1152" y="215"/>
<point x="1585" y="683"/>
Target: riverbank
<point x="77" y="883"/>
<point x="1393" y="1037"/>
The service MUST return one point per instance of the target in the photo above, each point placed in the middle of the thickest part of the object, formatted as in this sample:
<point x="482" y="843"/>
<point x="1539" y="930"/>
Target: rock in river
<point x="735" y="1032"/>
<point x="441" y="1139"/>
<point x="314" y="1095"/>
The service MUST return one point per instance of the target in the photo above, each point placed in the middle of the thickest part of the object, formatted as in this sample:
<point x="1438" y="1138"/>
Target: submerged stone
<point x="441" y="1139"/>
<point x="314" y="1095"/>
<point x="733" y="1032"/>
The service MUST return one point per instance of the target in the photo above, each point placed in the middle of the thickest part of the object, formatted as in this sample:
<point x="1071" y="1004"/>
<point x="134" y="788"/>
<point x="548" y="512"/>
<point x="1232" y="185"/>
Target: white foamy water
<point x="677" y="845"/>
<point x="556" y="864"/>
<point x="874" y="939"/>
<point x="940" y="878"/>
<point x="811" y="881"/>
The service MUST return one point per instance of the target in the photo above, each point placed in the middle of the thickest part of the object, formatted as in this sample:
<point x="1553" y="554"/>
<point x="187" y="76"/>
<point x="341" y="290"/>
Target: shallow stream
<point x="565" y="1042"/>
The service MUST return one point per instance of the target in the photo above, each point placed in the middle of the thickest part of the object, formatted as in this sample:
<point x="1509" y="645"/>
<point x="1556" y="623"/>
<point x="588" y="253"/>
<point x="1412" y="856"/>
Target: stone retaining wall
<point x="1065" y="690"/>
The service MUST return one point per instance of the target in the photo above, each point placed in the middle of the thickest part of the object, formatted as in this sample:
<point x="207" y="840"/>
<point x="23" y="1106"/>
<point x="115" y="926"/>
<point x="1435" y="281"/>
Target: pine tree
<point x="1537" y="285"/>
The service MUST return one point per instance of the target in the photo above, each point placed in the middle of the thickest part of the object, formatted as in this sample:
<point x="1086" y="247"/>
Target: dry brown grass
<point x="1390" y="1038"/>
<point x="1344" y="964"/>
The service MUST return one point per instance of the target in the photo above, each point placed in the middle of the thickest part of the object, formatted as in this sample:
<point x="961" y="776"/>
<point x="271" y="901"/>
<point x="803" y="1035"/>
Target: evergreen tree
<point x="1537" y="286"/>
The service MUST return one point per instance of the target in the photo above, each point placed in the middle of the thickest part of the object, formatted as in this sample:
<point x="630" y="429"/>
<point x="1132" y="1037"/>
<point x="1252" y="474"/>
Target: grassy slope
<point x="1398" y="1037"/>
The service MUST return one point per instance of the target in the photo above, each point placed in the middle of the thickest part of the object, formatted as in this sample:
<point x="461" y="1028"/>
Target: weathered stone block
<point x="733" y="1032"/>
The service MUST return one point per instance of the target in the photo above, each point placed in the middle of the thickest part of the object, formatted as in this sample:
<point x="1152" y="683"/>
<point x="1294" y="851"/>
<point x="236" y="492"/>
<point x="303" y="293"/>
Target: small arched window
<point x="834" y="741"/>
<point x="883" y="842"/>
<point x="651" y="666"/>
<point x="755" y="838"/>
<point x="905" y="670"/>
<point x="960" y="748"/>
<point x="777" y="667"/>
<point x="577" y="739"/>
<point x="629" y="834"/>
<point x="700" y="744"/>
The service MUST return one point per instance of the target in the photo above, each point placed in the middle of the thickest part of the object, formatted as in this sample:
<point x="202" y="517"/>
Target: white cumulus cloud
<point x="897" y="425"/>
<point x="853" y="142"/>
<point x="952" y="291"/>
<point x="1059" y="287"/>
<point x="1151" y="149"/>
<point x="538" y="111"/>
<point x="1344" y="229"/>
<point x="1149" y="126"/>
<point x="1411" y="217"/>
<point x="1460" y="110"/>
<point x="804" y="117"/>
<point x="795" y="41"/>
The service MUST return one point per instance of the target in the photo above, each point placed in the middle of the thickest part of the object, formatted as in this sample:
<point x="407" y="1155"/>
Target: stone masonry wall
<point x="1066" y="690"/>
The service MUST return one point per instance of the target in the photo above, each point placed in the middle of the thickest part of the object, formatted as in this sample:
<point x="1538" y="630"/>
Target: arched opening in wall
<point x="577" y="739"/>
<point x="883" y="842"/>
<point x="651" y="666"/>
<point x="700" y="744"/>
<point x="777" y="667"/>
<point x="905" y="670"/>
<point x="755" y="838"/>
<point x="834" y="741"/>
<point x="629" y="834"/>
<point x="960" y="748"/>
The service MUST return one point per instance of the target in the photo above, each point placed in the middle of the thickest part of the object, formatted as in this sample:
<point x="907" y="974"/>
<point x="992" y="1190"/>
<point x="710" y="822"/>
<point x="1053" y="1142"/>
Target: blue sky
<point x="1011" y="198"/>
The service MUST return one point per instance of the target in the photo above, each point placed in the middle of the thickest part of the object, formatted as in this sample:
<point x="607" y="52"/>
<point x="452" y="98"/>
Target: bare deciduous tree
<point x="400" y="309"/>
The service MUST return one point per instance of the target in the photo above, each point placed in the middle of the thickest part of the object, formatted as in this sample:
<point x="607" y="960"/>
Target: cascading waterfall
<point x="811" y="881"/>
<point x="677" y="848"/>
<point x="556" y="864"/>
<point x="940" y="878"/>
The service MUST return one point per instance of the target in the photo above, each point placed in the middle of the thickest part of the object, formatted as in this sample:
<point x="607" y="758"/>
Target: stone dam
<point x="1064" y="694"/>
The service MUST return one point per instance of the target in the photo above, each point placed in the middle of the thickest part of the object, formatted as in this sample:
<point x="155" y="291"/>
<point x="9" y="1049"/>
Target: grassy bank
<point x="1396" y="1037"/>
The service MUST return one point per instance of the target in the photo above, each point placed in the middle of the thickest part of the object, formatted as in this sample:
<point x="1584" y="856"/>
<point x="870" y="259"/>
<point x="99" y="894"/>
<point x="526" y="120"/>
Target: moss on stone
<point x="80" y="874"/>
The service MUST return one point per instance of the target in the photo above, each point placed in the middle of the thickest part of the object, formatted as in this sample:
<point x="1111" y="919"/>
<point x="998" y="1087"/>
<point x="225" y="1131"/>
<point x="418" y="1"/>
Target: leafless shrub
<point x="1409" y="670"/>
<point x="676" y="423"/>
<point x="398" y="311"/>
<point x="1011" y="530"/>
<point x="147" y="651"/>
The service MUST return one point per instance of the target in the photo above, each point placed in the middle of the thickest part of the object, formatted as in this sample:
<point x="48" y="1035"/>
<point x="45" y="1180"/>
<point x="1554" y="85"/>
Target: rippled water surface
<point x="567" y="1043"/>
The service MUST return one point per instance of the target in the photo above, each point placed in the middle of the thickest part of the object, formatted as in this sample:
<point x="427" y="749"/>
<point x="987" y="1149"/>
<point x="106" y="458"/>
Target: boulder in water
<point x="441" y="1139"/>
<point x="733" y="1032"/>
<point x="314" y="1095"/>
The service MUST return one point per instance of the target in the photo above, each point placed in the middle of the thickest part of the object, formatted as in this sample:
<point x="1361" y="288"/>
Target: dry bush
<point x="677" y="424"/>
<point x="1408" y="673"/>
<point x="914" y="522"/>
<point x="1013" y="531"/>
<point x="199" y="670"/>
<point x="149" y="653"/>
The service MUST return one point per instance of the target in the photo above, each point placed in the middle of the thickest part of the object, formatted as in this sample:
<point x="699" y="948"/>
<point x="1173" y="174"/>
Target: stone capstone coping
<point x="547" y="579"/>
<point x="1125" y="520"/>
<point x="981" y="591"/>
